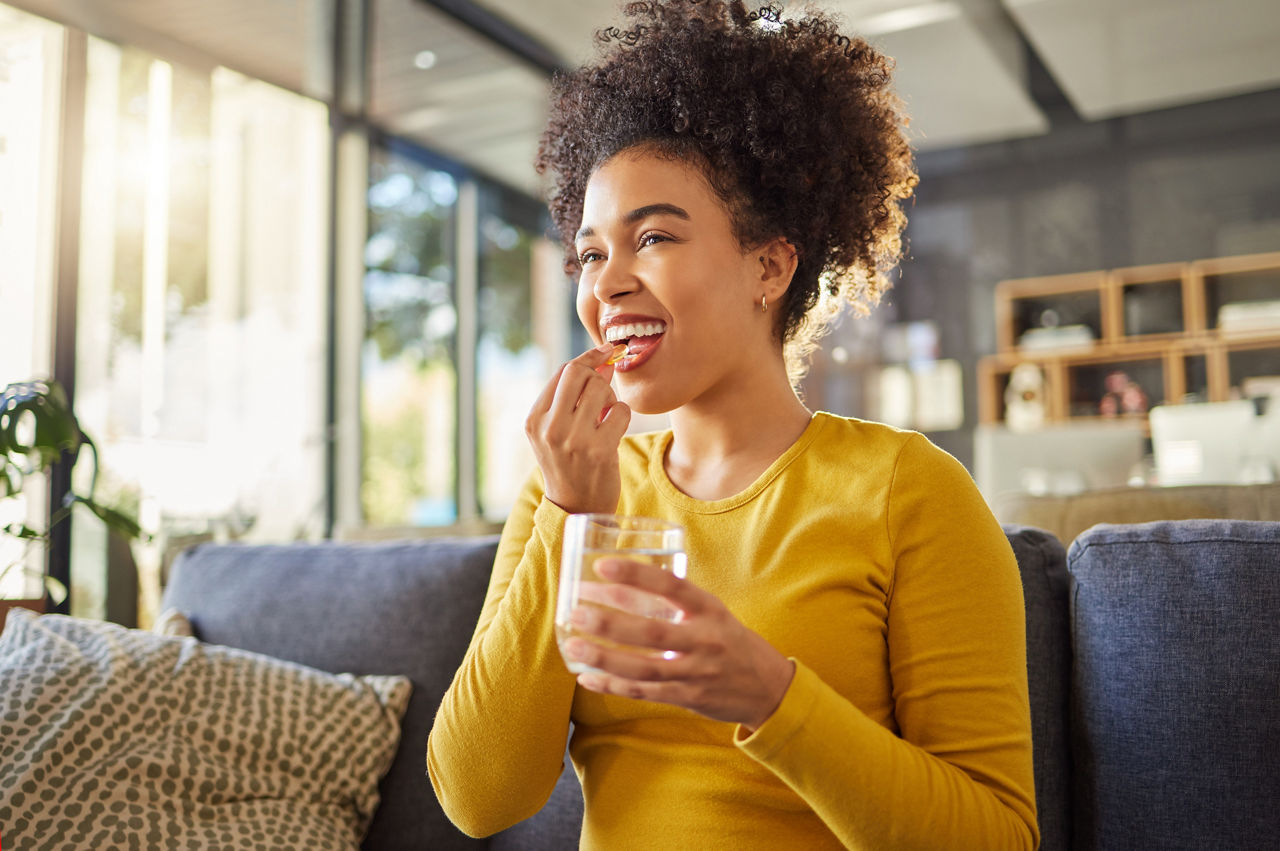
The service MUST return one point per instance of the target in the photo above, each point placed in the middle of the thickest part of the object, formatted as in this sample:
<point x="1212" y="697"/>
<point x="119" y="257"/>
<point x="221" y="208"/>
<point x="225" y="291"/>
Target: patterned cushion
<point x="1176" y="683"/>
<point x="393" y="607"/>
<point x="121" y="738"/>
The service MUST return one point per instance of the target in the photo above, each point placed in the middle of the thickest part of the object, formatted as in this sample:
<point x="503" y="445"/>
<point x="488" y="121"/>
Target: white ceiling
<point x="476" y="103"/>
<point x="1113" y="57"/>
<point x="931" y="41"/>
<point x="960" y="63"/>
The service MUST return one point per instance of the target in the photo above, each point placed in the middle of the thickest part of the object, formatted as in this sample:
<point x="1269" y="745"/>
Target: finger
<point x="543" y="403"/>
<point x="595" y="358"/>
<point x="614" y="420"/>
<point x="659" y="691"/>
<point x="596" y="395"/>
<point x="576" y="380"/>
<point x="648" y="577"/>
<point x="627" y="665"/>
<point x="591" y="358"/>
<point x="633" y="618"/>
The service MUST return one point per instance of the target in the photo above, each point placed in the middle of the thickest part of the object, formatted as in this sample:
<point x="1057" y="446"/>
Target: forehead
<point x="635" y="179"/>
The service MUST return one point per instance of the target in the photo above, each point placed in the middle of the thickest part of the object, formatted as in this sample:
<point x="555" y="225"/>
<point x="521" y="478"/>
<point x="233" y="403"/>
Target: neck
<point x="721" y="444"/>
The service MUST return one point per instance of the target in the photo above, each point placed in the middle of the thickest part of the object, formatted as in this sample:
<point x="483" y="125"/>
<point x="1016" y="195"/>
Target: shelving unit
<point x="1159" y="324"/>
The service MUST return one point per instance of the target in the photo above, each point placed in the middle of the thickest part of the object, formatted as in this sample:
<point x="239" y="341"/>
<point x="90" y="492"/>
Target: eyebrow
<point x="642" y="213"/>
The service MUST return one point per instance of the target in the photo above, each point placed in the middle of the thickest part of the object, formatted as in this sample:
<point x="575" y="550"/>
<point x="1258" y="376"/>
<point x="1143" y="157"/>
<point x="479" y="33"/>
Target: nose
<point x="614" y="280"/>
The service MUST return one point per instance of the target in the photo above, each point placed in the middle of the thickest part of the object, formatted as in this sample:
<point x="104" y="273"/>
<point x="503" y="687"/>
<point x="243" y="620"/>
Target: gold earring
<point x="764" y="305"/>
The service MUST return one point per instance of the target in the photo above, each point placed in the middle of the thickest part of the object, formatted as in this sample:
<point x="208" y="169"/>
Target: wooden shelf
<point x="1153" y="319"/>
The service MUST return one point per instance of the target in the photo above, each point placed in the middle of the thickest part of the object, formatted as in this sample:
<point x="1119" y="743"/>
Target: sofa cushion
<point x="1176" y="681"/>
<point x="111" y="737"/>
<point x="1042" y="561"/>
<point x="369" y="608"/>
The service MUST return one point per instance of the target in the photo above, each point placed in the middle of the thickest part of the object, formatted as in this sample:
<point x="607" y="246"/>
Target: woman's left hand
<point x="708" y="661"/>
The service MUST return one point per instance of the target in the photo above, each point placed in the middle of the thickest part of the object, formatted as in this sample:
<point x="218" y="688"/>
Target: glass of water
<point x="589" y="538"/>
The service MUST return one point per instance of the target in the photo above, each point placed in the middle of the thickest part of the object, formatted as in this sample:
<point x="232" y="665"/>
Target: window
<point x="201" y="348"/>
<point x="409" y="372"/>
<point x="30" y="79"/>
<point x="519" y="280"/>
<point x="204" y="265"/>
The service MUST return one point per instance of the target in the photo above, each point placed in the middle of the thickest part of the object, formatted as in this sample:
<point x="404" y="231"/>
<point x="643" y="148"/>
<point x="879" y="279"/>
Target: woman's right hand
<point x="575" y="427"/>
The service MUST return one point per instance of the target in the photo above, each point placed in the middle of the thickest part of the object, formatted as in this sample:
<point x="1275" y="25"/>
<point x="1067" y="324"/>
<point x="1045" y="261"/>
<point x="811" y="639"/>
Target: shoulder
<point x="838" y="429"/>
<point x="928" y="491"/>
<point x="905" y="460"/>
<point x="870" y="444"/>
<point x="905" y="456"/>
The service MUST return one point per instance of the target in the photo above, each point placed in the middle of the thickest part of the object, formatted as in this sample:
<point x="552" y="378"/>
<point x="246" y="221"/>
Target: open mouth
<point x="640" y="338"/>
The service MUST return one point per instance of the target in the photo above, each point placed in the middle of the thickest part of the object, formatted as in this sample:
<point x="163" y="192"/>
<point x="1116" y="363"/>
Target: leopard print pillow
<point x="111" y="737"/>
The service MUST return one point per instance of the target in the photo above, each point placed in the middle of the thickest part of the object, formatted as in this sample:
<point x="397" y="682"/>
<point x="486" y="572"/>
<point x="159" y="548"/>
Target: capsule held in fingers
<point x="619" y="352"/>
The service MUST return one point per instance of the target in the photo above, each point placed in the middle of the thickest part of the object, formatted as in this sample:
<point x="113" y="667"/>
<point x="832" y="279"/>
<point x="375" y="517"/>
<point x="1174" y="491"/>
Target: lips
<point x="642" y="335"/>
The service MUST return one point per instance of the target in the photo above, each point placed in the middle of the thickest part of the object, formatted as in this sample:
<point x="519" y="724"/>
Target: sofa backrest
<point x="1176" y="685"/>
<point x="1042" y="562"/>
<point x="410" y="608"/>
<point x="366" y="608"/>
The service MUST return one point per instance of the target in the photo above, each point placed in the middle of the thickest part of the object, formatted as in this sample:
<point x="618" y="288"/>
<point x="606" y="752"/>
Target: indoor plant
<point x="38" y="428"/>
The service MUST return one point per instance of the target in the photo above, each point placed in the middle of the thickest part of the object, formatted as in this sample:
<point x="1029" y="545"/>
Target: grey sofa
<point x="1153" y="664"/>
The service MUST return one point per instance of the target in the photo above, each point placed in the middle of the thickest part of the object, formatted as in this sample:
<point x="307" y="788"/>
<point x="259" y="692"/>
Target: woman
<point x="849" y="669"/>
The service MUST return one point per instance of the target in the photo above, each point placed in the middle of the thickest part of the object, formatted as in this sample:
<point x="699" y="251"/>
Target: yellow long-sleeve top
<point x="866" y="555"/>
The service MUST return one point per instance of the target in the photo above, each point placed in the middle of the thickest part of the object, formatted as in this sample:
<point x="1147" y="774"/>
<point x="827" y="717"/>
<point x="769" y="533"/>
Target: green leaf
<point x="53" y="426"/>
<point x="23" y="531"/>
<point x="118" y="522"/>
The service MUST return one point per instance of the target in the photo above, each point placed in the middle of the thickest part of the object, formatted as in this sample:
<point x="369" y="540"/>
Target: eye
<point x="589" y="256"/>
<point x="652" y="238"/>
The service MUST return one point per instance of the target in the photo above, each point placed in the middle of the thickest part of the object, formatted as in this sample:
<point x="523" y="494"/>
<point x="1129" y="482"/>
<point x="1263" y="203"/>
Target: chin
<point x="648" y="403"/>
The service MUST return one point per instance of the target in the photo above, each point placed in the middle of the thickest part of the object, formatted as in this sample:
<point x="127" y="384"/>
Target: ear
<point x="777" y="261"/>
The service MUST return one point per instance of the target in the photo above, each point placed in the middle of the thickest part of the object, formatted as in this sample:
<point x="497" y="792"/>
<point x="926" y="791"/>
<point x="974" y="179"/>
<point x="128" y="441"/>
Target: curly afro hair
<point x="793" y="124"/>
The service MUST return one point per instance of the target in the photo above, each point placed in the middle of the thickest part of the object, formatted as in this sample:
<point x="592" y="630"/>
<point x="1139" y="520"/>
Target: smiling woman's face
<point x="663" y="271"/>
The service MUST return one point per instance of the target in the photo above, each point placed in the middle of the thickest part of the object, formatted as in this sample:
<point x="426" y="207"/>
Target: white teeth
<point x="615" y="333"/>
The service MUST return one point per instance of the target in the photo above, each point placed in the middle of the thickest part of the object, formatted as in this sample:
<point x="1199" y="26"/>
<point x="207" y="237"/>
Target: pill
<point x="619" y="352"/>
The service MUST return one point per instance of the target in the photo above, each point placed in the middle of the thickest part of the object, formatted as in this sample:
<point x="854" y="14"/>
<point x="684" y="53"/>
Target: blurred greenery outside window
<point x="408" y="364"/>
<point x="511" y="366"/>
<point x="413" y="463"/>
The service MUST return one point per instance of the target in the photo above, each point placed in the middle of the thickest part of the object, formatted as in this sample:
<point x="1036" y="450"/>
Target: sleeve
<point x="497" y="745"/>
<point x="959" y="772"/>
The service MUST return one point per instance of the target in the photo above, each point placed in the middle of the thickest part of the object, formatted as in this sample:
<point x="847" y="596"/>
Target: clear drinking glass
<point x="591" y="537"/>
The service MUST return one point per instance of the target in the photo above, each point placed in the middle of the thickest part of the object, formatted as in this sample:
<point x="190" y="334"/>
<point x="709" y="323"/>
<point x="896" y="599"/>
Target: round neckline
<point x="661" y="481"/>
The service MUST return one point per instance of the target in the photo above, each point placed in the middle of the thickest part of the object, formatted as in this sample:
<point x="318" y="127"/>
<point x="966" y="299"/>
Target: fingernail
<point x="609" y="568"/>
<point x="575" y="649"/>
<point x="580" y="617"/>
<point x="590" y="682"/>
<point x="604" y="347"/>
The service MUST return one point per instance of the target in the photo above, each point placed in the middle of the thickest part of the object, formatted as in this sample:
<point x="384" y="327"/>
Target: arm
<point x="497" y="745"/>
<point x="960" y="774"/>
